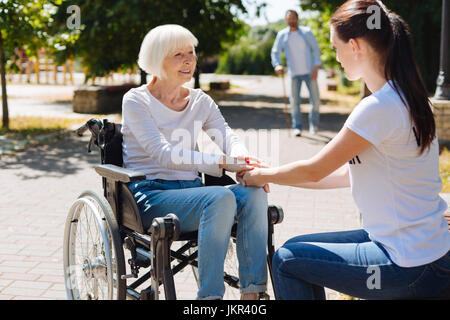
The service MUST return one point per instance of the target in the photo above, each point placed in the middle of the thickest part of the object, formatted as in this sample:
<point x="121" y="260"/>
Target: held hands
<point x="243" y="165"/>
<point x="256" y="177"/>
<point x="256" y="164"/>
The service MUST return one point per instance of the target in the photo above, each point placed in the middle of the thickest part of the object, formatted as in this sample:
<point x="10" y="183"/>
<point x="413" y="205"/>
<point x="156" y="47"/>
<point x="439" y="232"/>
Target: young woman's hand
<point x="256" y="177"/>
<point x="240" y="179"/>
<point x="255" y="163"/>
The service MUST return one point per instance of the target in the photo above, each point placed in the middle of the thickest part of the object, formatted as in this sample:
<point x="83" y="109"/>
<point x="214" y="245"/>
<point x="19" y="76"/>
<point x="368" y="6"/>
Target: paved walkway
<point x="39" y="186"/>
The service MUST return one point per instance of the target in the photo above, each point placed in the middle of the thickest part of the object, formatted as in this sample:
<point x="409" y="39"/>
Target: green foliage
<point x="251" y="55"/>
<point x="24" y="23"/>
<point x="424" y="19"/>
<point x="112" y="31"/>
<point x="319" y="22"/>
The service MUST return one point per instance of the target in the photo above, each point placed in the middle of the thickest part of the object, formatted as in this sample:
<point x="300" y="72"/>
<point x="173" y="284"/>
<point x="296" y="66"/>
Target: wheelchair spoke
<point x="102" y="282"/>
<point x="91" y="263"/>
<point x="85" y="246"/>
<point x="84" y="233"/>
<point x="95" y="288"/>
<point x="78" y="233"/>
<point x="231" y="271"/>
<point x="89" y="233"/>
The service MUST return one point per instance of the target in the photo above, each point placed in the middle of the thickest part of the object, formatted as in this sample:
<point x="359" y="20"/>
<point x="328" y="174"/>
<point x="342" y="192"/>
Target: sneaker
<point x="297" y="132"/>
<point x="313" y="129"/>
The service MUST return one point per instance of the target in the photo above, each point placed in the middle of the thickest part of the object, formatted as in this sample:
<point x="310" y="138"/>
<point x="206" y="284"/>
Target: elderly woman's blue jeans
<point x="212" y="210"/>
<point x="349" y="262"/>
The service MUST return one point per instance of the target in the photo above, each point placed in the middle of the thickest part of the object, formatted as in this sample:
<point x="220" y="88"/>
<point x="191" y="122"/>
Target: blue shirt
<point x="280" y="44"/>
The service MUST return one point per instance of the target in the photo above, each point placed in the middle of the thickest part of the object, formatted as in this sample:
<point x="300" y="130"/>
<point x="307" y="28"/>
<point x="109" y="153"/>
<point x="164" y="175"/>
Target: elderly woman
<point x="161" y="123"/>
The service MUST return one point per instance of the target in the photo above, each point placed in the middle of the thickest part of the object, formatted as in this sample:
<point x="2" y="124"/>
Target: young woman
<point x="387" y="152"/>
<point x="161" y="123"/>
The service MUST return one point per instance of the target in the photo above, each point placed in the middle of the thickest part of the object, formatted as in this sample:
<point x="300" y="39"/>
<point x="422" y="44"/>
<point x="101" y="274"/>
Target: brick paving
<point x="39" y="185"/>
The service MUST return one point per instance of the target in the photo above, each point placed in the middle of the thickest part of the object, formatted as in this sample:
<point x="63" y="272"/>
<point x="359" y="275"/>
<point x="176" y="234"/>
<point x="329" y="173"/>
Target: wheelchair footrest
<point x="163" y="231"/>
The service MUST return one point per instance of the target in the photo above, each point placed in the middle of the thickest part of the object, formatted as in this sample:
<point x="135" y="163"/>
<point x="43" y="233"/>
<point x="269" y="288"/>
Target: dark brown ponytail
<point x="393" y="41"/>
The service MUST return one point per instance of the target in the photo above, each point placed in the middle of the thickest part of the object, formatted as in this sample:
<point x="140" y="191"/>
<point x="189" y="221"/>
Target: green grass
<point x="29" y="126"/>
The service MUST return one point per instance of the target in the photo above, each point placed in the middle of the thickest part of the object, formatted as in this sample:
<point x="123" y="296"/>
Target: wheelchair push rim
<point x="92" y="263"/>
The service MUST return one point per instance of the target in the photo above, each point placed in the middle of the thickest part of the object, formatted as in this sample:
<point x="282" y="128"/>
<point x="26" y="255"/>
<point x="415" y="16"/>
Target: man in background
<point x="303" y="62"/>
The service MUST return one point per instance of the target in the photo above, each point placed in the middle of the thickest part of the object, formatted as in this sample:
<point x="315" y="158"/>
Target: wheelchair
<point x="101" y="229"/>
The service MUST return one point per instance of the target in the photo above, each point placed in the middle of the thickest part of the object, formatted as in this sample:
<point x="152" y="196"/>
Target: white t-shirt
<point x="395" y="189"/>
<point x="161" y="142"/>
<point x="297" y="53"/>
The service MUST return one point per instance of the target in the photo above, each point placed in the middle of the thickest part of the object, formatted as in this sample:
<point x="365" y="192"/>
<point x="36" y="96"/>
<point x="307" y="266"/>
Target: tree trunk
<point x="197" y="78"/>
<point x="5" y="121"/>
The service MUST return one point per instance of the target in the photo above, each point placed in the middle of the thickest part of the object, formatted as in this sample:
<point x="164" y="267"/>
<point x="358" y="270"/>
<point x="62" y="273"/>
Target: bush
<point x="251" y="55"/>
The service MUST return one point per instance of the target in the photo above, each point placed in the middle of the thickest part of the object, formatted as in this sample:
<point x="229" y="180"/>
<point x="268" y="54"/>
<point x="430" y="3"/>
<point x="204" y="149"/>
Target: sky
<point x="274" y="11"/>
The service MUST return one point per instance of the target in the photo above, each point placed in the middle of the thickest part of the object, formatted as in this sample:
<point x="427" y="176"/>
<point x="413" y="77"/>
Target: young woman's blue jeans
<point x="349" y="262"/>
<point x="212" y="210"/>
<point x="314" y="99"/>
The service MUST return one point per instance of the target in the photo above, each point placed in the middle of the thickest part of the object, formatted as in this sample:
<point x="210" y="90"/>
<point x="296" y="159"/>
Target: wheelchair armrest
<point x="115" y="173"/>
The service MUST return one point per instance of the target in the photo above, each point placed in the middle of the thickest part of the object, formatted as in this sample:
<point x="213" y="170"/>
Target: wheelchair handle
<point x="94" y="126"/>
<point x="81" y="130"/>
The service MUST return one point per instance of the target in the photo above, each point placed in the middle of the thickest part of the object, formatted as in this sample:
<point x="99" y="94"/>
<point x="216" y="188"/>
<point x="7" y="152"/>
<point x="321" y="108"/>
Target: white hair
<point x="161" y="42"/>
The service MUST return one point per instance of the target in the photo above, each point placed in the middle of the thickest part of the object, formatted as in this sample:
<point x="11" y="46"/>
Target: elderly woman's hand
<point x="241" y="164"/>
<point x="255" y="163"/>
<point x="234" y="164"/>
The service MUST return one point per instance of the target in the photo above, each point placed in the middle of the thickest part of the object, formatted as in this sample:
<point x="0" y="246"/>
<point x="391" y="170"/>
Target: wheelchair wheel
<point x="93" y="255"/>
<point x="231" y="269"/>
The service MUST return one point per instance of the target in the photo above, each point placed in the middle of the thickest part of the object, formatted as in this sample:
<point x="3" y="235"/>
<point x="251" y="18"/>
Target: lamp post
<point x="443" y="83"/>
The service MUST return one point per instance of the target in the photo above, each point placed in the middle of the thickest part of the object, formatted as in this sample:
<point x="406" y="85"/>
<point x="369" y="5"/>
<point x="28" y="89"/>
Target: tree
<point x="424" y="19"/>
<point x="319" y="22"/>
<point x="251" y="54"/>
<point x="111" y="32"/>
<point x="23" y="24"/>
